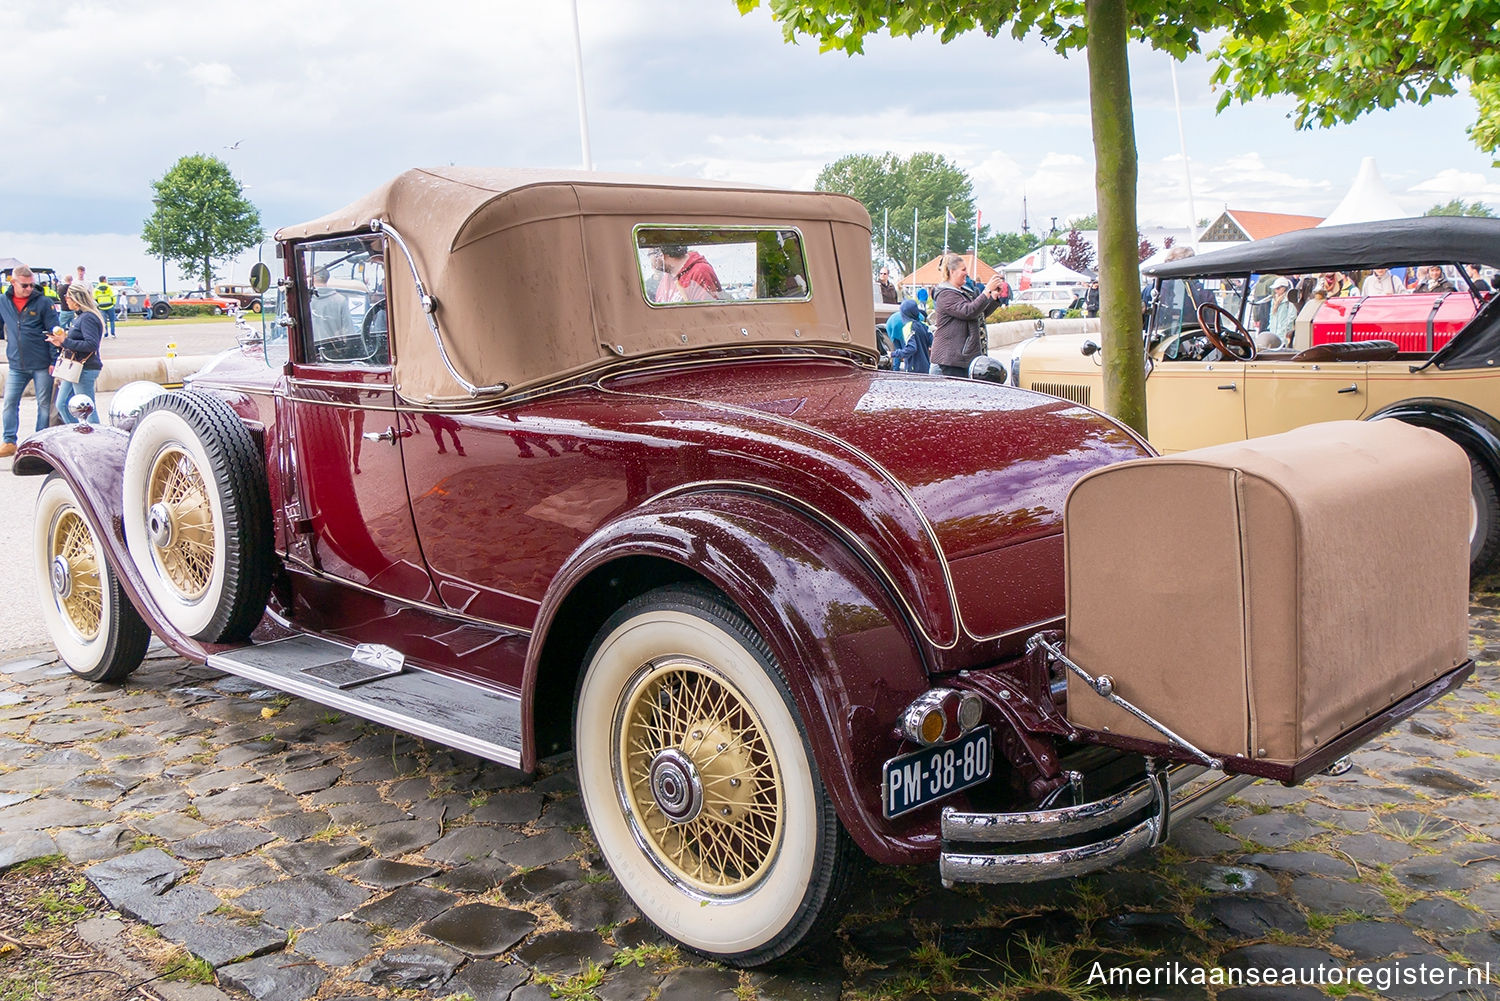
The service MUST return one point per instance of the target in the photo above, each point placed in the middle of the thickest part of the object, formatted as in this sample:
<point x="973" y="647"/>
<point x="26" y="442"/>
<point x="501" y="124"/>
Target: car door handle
<point x="1353" y="387"/>
<point x="389" y="434"/>
<point x="1229" y="386"/>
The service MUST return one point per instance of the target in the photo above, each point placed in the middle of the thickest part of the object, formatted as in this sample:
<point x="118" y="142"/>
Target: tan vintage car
<point x="1354" y="358"/>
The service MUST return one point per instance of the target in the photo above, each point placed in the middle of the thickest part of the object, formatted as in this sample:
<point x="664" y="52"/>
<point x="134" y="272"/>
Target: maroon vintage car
<point x="537" y="461"/>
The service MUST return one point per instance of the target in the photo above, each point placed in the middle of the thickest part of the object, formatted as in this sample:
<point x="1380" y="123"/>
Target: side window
<point x="687" y="265"/>
<point x="342" y="307"/>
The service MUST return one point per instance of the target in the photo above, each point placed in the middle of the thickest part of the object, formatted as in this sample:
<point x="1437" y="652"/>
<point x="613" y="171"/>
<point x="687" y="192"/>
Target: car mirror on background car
<point x="1088" y="348"/>
<point x="260" y="276"/>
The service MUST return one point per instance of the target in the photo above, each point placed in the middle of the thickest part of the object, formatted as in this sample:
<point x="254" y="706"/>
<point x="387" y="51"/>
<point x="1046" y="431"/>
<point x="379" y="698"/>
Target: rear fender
<point x="90" y="458"/>
<point x="849" y="655"/>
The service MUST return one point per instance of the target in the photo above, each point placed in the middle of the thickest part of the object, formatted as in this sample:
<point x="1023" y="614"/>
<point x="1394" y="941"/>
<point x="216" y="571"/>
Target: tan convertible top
<point x="537" y="278"/>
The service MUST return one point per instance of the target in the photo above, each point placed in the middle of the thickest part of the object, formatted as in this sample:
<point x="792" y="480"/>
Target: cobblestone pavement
<point x="304" y="854"/>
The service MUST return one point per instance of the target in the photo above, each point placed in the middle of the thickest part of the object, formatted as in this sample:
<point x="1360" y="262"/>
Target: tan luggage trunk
<point x="1275" y="602"/>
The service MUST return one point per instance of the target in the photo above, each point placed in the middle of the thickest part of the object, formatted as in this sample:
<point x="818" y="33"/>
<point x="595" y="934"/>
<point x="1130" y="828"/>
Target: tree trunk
<point x="1114" y="184"/>
<point x="208" y="271"/>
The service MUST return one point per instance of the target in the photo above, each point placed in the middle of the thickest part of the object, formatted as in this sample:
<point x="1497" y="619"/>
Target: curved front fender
<point x="90" y="458"/>
<point x="848" y="653"/>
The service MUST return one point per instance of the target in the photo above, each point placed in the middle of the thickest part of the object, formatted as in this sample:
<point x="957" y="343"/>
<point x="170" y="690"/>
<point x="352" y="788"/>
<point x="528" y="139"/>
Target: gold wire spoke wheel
<point x="698" y="775"/>
<point x="182" y="522"/>
<point x="81" y="598"/>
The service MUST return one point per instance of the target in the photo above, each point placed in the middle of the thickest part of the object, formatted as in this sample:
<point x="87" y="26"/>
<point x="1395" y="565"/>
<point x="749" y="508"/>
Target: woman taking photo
<point x="959" y="335"/>
<point x="81" y="341"/>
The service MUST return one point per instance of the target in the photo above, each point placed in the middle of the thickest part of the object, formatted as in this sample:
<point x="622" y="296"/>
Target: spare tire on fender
<point x="197" y="515"/>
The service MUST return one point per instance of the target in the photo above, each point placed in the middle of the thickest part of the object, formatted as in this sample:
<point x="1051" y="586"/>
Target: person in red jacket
<point x="694" y="278"/>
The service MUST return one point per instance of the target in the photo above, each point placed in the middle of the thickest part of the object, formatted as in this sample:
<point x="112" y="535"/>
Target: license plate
<point x="921" y="777"/>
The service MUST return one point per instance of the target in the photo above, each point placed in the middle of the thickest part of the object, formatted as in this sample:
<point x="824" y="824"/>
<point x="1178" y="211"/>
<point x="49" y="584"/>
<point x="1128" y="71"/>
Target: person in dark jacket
<point x="915" y="354"/>
<point x="959" y="336"/>
<point x="27" y="315"/>
<point x="888" y="293"/>
<point x="1091" y="299"/>
<point x="80" y="340"/>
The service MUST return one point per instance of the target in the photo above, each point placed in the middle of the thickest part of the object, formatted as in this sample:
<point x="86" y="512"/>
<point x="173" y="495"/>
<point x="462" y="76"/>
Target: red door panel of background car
<point x="354" y="514"/>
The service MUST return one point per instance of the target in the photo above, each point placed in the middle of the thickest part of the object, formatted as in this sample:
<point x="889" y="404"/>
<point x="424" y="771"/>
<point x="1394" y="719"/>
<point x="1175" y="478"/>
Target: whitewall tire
<point x="98" y="633"/>
<point x="197" y="515"/>
<point x="699" y="783"/>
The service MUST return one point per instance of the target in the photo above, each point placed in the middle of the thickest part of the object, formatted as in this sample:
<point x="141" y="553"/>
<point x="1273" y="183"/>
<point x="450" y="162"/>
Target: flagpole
<point x="885" y="237"/>
<point x="975" y="266"/>
<point x="947" y="214"/>
<point x="583" y="105"/>
<point x="913" y="241"/>
<point x="1187" y="172"/>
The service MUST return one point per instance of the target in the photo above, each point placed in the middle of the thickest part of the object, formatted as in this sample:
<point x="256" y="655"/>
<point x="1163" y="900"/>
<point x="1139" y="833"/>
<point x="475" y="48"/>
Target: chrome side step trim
<point x="459" y="714"/>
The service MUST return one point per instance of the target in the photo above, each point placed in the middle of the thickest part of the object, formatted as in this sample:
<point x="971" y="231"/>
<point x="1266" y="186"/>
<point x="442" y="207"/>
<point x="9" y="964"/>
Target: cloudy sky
<point x="324" y="101"/>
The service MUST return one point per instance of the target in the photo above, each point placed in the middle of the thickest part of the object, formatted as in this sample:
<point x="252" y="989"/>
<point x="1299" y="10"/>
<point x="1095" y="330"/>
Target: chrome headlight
<point x="125" y="408"/>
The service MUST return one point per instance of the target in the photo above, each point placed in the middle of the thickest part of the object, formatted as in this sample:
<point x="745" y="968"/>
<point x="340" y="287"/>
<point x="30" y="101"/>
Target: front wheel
<point x="1484" y="518"/>
<point x="160" y="310"/>
<point x="700" y="785"/>
<point x="98" y="632"/>
<point x="255" y="306"/>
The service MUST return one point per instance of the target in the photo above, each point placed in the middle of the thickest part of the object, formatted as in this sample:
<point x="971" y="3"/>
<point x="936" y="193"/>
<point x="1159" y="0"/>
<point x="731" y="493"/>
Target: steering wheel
<point x="374" y="334"/>
<point x="1233" y="342"/>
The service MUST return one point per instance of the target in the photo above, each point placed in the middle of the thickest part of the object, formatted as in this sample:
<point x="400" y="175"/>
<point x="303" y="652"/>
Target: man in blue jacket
<point x="27" y="316"/>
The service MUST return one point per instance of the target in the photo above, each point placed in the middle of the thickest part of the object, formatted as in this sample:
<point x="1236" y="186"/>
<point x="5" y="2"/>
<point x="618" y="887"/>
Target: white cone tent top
<point x="1368" y="200"/>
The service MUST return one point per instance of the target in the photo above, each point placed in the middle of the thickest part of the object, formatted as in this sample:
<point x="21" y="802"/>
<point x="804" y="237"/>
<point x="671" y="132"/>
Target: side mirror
<point x="1089" y="348"/>
<point x="987" y="369"/>
<point x="260" y="276"/>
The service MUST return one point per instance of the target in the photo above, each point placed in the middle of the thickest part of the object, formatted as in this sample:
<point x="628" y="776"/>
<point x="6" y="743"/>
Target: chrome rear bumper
<point x="1171" y="795"/>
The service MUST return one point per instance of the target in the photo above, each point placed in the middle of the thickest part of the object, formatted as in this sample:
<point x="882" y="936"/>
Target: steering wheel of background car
<point x="1225" y="331"/>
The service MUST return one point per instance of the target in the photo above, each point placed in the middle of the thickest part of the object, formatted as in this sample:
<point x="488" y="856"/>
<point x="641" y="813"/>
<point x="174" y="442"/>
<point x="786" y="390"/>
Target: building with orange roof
<point x="929" y="277"/>
<point x="1238" y="225"/>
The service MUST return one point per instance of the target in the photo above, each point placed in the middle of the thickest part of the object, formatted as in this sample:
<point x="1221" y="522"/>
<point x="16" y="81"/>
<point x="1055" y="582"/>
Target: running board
<point x="470" y="717"/>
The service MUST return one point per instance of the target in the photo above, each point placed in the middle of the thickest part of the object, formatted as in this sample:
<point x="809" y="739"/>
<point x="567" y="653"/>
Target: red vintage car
<point x="538" y="461"/>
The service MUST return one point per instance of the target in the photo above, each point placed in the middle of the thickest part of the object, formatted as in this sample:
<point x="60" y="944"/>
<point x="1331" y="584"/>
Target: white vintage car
<point x="1053" y="300"/>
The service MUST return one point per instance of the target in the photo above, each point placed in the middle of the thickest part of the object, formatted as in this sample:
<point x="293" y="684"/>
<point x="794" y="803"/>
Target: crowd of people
<point x="957" y="335"/>
<point x="1277" y="300"/>
<point x="52" y="342"/>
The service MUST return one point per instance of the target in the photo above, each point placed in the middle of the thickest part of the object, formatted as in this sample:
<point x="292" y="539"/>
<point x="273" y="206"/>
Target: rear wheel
<point x="699" y="783"/>
<point x="160" y="310"/>
<point x="255" y="306"/>
<point x="98" y="632"/>
<point x="1484" y="518"/>
<point x="197" y="515"/>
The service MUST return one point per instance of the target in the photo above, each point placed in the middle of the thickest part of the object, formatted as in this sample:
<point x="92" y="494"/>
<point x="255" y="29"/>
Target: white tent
<point x="1368" y="200"/>
<point x="1044" y="268"/>
<point x="1058" y="273"/>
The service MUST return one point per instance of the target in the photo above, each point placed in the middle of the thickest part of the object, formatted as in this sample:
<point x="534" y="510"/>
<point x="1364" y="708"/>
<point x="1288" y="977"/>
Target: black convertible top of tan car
<point x="1357" y="246"/>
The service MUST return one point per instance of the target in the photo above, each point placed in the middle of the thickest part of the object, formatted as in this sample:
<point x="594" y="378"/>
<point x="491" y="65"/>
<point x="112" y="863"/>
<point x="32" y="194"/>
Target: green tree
<point x="1458" y="206"/>
<point x="1101" y="28"/>
<point x="926" y="184"/>
<point x="1340" y="60"/>
<point x="1090" y="221"/>
<point x="1002" y="248"/>
<point x="201" y="216"/>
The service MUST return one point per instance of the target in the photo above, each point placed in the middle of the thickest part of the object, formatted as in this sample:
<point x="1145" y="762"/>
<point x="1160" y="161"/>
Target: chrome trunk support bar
<point x="429" y="310"/>
<point x="1169" y="793"/>
<point x="1104" y="686"/>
